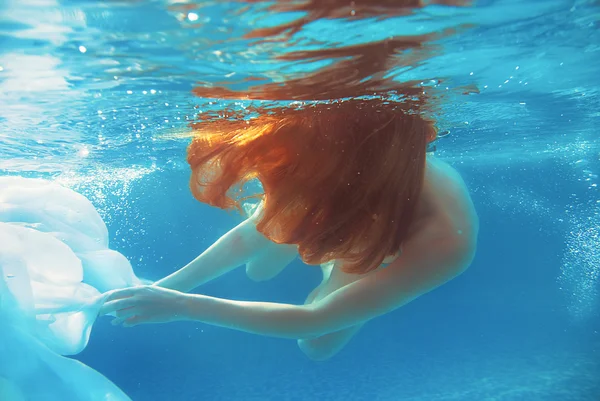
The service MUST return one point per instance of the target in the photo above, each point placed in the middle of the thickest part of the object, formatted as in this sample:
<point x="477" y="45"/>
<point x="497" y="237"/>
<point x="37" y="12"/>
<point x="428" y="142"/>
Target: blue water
<point x="92" y="96"/>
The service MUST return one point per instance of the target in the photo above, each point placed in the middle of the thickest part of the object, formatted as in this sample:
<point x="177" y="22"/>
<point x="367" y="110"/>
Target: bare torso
<point x="445" y="202"/>
<point x="441" y="244"/>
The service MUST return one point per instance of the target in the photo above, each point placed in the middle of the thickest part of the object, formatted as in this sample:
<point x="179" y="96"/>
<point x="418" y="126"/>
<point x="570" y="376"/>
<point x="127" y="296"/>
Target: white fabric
<point x="54" y="265"/>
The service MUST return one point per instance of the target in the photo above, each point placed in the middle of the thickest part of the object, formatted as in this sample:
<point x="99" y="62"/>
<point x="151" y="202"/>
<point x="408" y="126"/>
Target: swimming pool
<point x="95" y="96"/>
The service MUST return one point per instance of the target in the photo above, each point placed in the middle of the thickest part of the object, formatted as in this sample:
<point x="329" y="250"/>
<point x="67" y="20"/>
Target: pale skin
<point x="441" y="246"/>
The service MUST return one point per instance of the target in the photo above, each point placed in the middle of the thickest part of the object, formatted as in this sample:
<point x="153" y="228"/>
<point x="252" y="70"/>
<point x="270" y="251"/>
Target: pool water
<point x="98" y="96"/>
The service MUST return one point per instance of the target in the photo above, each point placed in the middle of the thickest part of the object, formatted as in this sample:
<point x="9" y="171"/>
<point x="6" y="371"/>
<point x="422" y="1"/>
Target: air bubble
<point x="581" y="264"/>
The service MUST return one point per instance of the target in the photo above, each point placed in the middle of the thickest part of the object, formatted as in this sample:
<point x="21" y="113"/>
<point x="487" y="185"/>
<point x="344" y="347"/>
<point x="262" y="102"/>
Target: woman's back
<point x="449" y="197"/>
<point x="446" y="205"/>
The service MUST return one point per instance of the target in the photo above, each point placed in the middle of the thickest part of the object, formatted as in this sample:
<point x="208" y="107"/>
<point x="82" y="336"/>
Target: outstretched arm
<point x="415" y="273"/>
<point x="239" y="246"/>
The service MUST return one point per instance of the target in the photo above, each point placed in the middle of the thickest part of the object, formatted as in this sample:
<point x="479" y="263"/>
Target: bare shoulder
<point x="450" y="230"/>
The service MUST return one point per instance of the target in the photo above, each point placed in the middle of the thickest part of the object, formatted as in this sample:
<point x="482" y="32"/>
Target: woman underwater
<point x="347" y="185"/>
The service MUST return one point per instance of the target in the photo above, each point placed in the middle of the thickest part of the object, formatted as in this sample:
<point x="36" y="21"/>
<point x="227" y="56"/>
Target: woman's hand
<point x="145" y="304"/>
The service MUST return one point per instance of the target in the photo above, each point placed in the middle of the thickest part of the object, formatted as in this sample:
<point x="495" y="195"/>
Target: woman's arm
<point x="417" y="272"/>
<point x="374" y="295"/>
<point x="237" y="247"/>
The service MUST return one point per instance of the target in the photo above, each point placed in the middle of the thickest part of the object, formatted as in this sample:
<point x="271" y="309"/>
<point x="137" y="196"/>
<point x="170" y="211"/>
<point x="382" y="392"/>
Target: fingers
<point x="133" y="321"/>
<point x="127" y="312"/>
<point x="117" y="305"/>
<point x="119" y="299"/>
<point x="121" y="293"/>
<point x="126" y="304"/>
<point x="128" y="322"/>
<point x="117" y="321"/>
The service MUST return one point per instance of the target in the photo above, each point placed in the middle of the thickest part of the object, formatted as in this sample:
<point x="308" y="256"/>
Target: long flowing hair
<point x="341" y="180"/>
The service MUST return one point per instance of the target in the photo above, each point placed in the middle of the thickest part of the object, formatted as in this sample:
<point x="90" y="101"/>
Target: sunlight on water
<point x="32" y="73"/>
<point x="103" y="185"/>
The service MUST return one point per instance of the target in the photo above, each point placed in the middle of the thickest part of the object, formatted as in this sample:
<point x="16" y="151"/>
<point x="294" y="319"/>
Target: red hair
<point x="340" y="180"/>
